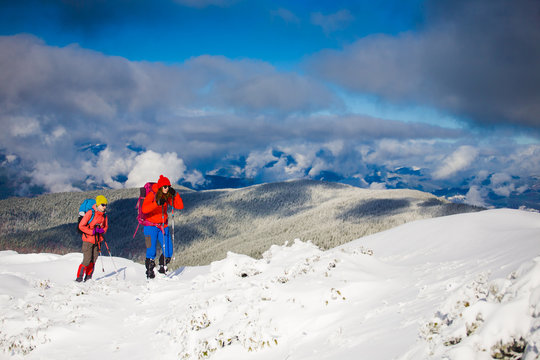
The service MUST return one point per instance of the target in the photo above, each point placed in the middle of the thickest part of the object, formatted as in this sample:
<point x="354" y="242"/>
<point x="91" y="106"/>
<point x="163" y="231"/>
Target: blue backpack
<point x="83" y="209"/>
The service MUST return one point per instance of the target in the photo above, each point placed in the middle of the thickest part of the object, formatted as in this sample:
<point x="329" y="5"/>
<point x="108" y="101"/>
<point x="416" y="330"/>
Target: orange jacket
<point x="158" y="214"/>
<point x="88" y="228"/>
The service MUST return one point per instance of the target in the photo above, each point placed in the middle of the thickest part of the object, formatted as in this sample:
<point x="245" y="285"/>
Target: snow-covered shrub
<point x="239" y="324"/>
<point x="500" y="317"/>
<point x="512" y="350"/>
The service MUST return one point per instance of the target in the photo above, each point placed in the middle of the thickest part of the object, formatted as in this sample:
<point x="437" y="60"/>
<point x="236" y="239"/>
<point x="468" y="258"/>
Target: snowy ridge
<point x="458" y="287"/>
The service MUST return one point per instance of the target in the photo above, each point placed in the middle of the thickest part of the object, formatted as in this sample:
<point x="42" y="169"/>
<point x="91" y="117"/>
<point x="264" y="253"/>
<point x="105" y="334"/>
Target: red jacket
<point x="88" y="228"/>
<point x="158" y="214"/>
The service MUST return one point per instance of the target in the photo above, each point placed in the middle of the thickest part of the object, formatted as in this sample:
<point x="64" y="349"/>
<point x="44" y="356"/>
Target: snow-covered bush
<point x="500" y="317"/>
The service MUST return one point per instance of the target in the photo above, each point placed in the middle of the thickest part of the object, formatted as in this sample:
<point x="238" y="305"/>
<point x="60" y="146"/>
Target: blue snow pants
<point x="153" y="235"/>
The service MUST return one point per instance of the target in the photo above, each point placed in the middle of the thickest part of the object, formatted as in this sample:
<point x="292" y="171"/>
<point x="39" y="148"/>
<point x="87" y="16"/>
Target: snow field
<point x="458" y="287"/>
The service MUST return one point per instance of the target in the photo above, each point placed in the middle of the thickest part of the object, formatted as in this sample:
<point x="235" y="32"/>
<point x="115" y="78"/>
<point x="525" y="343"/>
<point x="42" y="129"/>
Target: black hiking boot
<point x="79" y="279"/>
<point x="163" y="262"/>
<point x="87" y="277"/>
<point x="161" y="269"/>
<point x="150" y="268"/>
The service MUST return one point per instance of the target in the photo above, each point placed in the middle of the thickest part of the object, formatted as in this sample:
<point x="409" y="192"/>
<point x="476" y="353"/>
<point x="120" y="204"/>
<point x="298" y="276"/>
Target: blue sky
<point x="169" y="31"/>
<point x="112" y="94"/>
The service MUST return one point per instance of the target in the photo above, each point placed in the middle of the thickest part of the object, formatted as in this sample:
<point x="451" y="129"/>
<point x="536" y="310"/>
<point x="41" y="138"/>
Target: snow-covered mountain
<point x="465" y="286"/>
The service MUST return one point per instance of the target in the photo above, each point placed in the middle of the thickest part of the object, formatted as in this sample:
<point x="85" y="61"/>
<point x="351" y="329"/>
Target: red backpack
<point x="141" y="217"/>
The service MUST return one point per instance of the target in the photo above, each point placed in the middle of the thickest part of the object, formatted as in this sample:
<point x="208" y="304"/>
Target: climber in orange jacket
<point x="155" y="207"/>
<point x="93" y="225"/>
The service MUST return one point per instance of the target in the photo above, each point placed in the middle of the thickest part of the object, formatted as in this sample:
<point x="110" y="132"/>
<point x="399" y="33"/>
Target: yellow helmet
<point x="100" y="199"/>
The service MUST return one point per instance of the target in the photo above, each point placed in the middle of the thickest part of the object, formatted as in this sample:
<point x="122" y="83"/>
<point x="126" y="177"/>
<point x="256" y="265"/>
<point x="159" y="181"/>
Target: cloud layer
<point x="107" y="121"/>
<point x="75" y="118"/>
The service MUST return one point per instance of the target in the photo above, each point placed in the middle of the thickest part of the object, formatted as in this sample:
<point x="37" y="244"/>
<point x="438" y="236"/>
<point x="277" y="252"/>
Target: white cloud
<point x="318" y="165"/>
<point x="335" y="147"/>
<point x="142" y="168"/>
<point x="459" y="160"/>
<point x="110" y="165"/>
<point x="503" y="184"/>
<point x="525" y="159"/>
<point x="503" y="190"/>
<point x="282" y="171"/>
<point x="150" y="165"/>
<point x="475" y="196"/>
<point x="377" y="186"/>
<point x="194" y="177"/>
<point x="54" y="176"/>
<point x="257" y="160"/>
<point x="55" y="135"/>
<point x="23" y="126"/>
<point x="257" y="163"/>
<point x="500" y="178"/>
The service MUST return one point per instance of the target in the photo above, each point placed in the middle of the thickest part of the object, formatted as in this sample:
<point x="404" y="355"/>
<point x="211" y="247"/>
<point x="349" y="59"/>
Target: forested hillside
<point x="213" y="222"/>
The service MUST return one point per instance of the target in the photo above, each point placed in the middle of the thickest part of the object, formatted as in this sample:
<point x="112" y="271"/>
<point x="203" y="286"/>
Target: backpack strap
<point x="135" y="233"/>
<point x="92" y="217"/>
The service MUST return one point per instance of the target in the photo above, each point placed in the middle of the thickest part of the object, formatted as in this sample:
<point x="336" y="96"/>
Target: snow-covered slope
<point x="456" y="287"/>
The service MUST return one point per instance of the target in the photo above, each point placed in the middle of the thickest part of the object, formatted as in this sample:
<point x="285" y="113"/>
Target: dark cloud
<point x="256" y="86"/>
<point x="82" y="17"/>
<point x="362" y="128"/>
<point x="211" y="136"/>
<point x="479" y="59"/>
<point x="90" y="15"/>
<point x="82" y="84"/>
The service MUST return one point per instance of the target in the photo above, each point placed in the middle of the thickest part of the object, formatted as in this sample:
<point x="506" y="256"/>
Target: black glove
<point x="172" y="192"/>
<point x="160" y="200"/>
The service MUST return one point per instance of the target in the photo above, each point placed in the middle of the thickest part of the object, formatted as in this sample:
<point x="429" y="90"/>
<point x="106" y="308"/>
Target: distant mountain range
<point x="398" y="178"/>
<point x="487" y="190"/>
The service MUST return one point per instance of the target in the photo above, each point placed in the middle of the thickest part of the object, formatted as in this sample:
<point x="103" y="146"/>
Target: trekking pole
<point x="102" y="267"/>
<point x="115" y="269"/>
<point x="101" y="256"/>
<point x="172" y="242"/>
<point x="99" y="249"/>
<point x="163" y="232"/>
